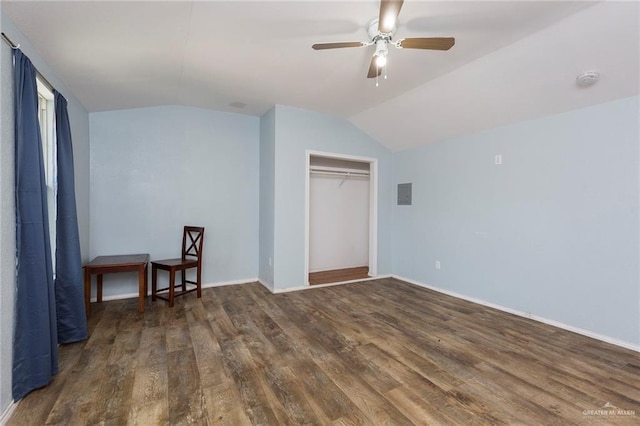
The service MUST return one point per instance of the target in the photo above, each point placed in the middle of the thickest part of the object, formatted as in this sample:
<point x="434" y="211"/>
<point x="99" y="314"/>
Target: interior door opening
<point x="341" y="218"/>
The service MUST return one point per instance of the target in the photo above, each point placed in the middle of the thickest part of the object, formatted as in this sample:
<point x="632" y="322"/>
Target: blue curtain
<point x="35" y="351"/>
<point x="69" y="284"/>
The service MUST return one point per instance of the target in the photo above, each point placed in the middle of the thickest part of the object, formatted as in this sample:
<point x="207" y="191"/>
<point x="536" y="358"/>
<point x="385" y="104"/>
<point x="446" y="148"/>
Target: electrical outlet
<point x="498" y="159"/>
<point x="437" y="264"/>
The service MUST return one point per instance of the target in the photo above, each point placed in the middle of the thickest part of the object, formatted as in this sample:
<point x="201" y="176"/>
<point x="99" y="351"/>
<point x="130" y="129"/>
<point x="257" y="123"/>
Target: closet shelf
<point x="339" y="172"/>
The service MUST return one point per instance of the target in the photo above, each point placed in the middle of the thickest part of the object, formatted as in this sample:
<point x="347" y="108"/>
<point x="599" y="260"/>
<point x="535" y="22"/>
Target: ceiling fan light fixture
<point x="389" y="22"/>
<point x="381" y="60"/>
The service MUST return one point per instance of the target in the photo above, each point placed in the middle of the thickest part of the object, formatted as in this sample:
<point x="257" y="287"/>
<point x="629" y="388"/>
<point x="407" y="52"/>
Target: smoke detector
<point x="588" y="78"/>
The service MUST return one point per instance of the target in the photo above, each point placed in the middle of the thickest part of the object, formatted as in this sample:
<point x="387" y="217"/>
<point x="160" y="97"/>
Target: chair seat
<point x="172" y="263"/>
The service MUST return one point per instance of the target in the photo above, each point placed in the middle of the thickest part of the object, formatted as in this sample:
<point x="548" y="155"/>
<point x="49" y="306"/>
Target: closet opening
<point x="341" y="218"/>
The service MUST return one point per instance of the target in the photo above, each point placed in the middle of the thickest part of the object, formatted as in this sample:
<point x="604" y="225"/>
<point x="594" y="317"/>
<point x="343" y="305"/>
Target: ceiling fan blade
<point x="389" y="11"/>
<point x="433" y="43"/>
<point x="322" y="46"/>
<point x="374" y="70"/>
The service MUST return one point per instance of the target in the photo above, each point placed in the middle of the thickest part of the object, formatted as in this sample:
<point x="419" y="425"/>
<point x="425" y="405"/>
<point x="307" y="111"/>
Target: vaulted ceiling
<point x="513" y="60"/>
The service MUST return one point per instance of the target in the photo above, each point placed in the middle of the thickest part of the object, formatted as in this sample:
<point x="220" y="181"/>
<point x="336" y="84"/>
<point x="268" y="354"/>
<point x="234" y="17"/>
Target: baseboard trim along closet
<point x="597" y="336"/>
<point x="307" y="287"/>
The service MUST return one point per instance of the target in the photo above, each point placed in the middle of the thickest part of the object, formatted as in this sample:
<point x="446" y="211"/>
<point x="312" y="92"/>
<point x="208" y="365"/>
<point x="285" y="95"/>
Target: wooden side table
<point x="112" y="264"/>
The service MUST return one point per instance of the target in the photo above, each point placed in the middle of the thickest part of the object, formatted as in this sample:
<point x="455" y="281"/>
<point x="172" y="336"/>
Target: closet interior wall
<point x="339" y="192"/>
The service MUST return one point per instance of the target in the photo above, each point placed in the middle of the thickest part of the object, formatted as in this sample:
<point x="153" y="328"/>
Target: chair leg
<point x="184" y="280"/>
<point x="154" y="282"/>
<point x="172" y="284"/>
<point x="199" y="282"/>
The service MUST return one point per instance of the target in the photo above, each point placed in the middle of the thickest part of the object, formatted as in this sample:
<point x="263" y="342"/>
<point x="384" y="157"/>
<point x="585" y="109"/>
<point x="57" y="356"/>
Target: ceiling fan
<point x="381" y="31"/>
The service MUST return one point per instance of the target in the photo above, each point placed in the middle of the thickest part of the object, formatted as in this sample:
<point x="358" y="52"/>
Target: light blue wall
<point x="553" y="231"/>
<point x="154" y="170"/>
<point x="7" y="222"/>
<point x="267" y="193"/>
<point x="296" y="132"/>
<point x="79" y="120"/>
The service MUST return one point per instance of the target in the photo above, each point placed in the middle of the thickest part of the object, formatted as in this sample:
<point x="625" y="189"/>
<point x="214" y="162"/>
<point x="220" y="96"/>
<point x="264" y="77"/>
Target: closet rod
<point x="41" y="77"/>
<point x="329" y="173"/>
<point x="338" y="170"/>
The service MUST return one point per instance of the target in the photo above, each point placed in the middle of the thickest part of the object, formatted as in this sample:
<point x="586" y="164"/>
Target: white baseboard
<point x="593" y="335"/>
<point x="6" y="415"/>
<point x="307" y="287"/>
<point x="216" y="284"/>
<point x="233" y="282"/>
<point x="266" y="285"/>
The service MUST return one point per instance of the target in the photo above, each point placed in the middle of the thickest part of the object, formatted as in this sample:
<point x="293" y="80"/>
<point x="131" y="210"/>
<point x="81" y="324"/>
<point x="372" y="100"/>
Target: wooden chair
<point x="192" y="240"/>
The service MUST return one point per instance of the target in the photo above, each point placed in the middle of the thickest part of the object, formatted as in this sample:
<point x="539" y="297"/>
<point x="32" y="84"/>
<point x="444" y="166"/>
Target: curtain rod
<point x="9" y="42"/>
<point x="42" y="78"/>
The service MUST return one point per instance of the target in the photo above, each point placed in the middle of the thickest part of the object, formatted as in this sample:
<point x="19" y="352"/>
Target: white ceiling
<point x="512" y="60"/>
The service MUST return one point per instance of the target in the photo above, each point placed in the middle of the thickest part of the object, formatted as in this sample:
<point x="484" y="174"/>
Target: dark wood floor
<point x="376" y="352"/>
<point x="339" y="275"/>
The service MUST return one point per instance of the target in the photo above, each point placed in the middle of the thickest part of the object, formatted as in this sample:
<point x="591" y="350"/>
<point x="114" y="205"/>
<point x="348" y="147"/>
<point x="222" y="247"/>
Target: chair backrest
<point x="192" y="240"/>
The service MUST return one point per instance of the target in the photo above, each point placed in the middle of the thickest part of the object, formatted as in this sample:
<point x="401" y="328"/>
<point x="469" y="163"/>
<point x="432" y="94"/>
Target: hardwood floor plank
<point x="150" y="384"/>
<point x="351" y="419"/>
<point x="249" y="383"/>
<point x="224" y="406"/>
<point x="186" y="402"/>
<point x="77" y="394"/>
<point x="292" y="396"/>
<point x="153" y="346"/>
<point x="400" y="371"/>
<point x="208" y="355"/>
<point x="518" y="392"/>
<point x="125" y="347"/>
<point x="178" y="337"/>
<point x="366" y="398"/>
<point x="114" y="395"/>
<point x="416" y="407"/>
<point x="153" y="413"/>
<point x="323" y="391"/>
<point x="339" y="275"/>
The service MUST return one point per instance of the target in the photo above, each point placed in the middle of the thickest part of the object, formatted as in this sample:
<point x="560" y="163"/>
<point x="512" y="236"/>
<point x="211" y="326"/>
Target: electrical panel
<point x="404" y="194"/>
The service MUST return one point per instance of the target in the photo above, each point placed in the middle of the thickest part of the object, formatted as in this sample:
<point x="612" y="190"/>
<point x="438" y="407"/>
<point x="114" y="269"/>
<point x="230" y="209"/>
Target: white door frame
<point x="373" y="207"/>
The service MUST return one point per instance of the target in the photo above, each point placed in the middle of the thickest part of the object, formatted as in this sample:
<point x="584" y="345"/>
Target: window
<point x="47" y="130"/>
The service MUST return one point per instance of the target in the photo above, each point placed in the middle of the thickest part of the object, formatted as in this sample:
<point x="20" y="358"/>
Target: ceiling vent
<point x="238" y="105"/>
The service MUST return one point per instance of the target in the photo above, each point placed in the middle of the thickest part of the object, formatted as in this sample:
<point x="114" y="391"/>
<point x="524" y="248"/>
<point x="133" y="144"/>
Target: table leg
<point x="154" y="282"/>
<point x="142" y="286"/>
<point x="146" y="279"/>
<point x="99" y="291"/>
<point x="87" y="291"/>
